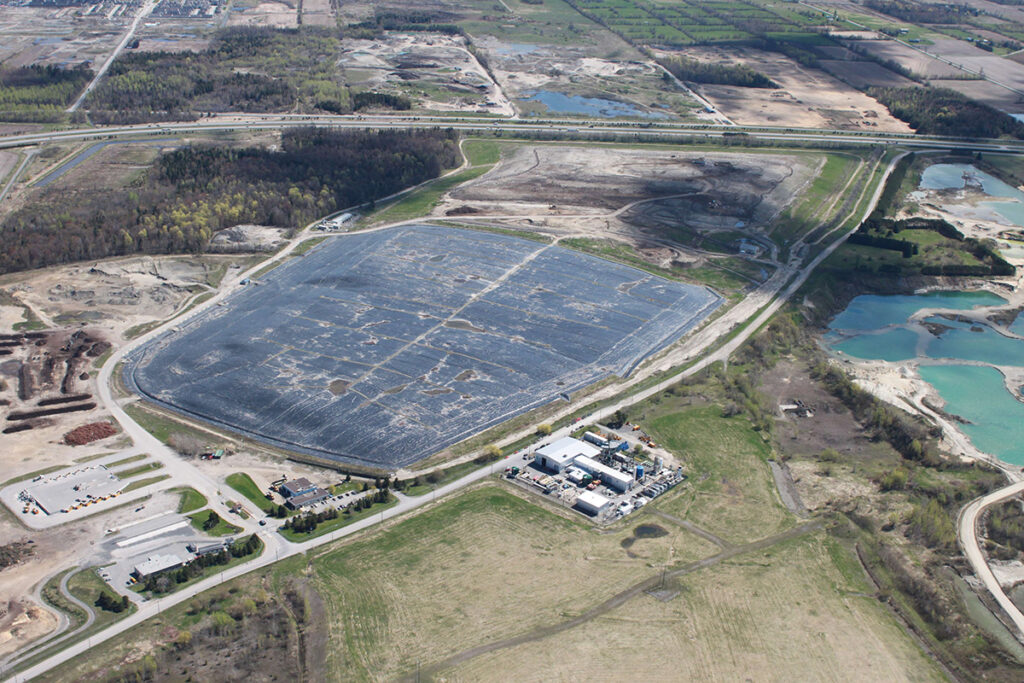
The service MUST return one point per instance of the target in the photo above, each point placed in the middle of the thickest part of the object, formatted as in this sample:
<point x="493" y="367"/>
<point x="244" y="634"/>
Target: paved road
<point x="17" y="173"/>
<point x="967" y="531"/>
<point x="578" y="127"/>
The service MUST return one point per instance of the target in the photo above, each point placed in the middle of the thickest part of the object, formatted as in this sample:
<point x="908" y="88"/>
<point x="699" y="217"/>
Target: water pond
<point x="560" y="103"/>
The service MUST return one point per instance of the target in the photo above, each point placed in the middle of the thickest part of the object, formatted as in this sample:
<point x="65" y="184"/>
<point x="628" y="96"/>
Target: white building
<point x="593" y="503"/>
<point x="154" y="564"/>
<point x="615" y="479"/>
<point x="559" y="455"/>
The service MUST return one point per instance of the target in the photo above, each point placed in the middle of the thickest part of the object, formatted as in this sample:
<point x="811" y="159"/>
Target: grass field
<point x="243" y="483"/>
<point x="787" y="613"/>
<point x="421" y="201"/>
<point x="818" y="200"/>
<point x="86" y="585"/>
<point x="160" y="426"/>
<point x="730" y="492"/>
<point x="223" y="527"/>
<point x="140" y="469"/>
<point x="190" y="499"/>
<point x="125" y="461"/>
<point x="486" y="564"/>
<point x="140" y="483"/>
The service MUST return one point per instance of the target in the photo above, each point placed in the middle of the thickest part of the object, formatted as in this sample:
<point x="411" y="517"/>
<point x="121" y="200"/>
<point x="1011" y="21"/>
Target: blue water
<point x="986" y="346"/>
<point x="978" y="394"/>
<point x="516" y="49"/>
<point x="1017" y="326"/>
<point x="560" y="103"/>
<point x="871" y="312"/>
<point x="893" y="345"/>
<point x="950" y="176"/>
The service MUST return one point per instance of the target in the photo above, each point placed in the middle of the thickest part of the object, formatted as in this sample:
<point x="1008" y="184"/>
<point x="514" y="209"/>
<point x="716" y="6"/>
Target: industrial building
<point x="612" y="478"/>
<point x="308" y="498"/>
<point x="156" y="564"/>
<point x="558" y="456"/>
<point x="594" y="503"/>
<point x="296" y="487"/>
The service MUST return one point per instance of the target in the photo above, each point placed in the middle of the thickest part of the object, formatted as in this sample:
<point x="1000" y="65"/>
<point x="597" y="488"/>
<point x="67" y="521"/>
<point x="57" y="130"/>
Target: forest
<point x="40" y="93"/>
<point x="191" y="193"/>
<point x="686" y="69"/>
<point x="244" y="69"/>
<point x="940" y="111"/>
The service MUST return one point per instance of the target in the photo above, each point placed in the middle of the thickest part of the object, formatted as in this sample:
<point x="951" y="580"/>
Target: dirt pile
<point x="88" y="433"/>
<point x="15" y="552"/>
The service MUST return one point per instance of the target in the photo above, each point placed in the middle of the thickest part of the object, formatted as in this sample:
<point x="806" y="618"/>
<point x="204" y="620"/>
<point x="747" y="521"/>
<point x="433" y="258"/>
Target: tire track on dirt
<point x="615" y="601"/>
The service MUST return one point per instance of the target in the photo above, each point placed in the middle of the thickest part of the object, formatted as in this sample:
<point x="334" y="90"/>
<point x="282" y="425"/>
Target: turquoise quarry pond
<point x="878" y="328"/>
<point x="951" y="176"/>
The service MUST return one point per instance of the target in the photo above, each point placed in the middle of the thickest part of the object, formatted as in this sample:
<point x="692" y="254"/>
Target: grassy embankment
<point x="243" y="483"/>
<point x="221" y="528"/>
<point x="190" y="499"/>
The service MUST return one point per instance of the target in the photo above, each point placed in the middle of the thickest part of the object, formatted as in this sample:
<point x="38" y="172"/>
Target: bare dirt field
<point x="914" y="60"/>
<point x="259" y="13"/>
<point x="436" y="71"/>
<point x="552" y="180"/>
<point x="864" y="74"/>
<point x="993" y="66"/>
<point x="317" y="13"/>
<point x="114" y="294"/>
<point x="176" y="35"/>
<point x="807" y="98"/>
<point x="642" y="195"/>
<point x="986" y="92"/>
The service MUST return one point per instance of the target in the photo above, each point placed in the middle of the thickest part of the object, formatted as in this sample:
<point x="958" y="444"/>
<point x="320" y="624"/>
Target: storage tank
<point x="658" y="463"/>
<point x="595" y="439"/>
<point x="639" y="471"/>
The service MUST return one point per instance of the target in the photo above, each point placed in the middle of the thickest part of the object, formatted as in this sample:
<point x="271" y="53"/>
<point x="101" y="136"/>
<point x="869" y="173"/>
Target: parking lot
<point x="386" y="347"/>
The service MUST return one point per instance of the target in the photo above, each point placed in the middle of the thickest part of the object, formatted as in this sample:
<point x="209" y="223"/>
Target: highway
<point x="579" y="128"/>
<point x="755" y="311"/>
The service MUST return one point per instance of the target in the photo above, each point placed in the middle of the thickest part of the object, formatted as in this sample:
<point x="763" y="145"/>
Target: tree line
<point x="696" y="71"/>
<point x="941" y="111"/>
<point x="193" y="192"/>
<point x="164" y="582"/>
